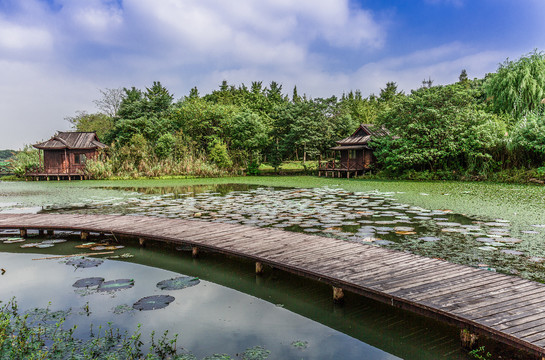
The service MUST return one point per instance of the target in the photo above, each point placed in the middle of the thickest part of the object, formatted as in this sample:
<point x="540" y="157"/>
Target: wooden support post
<point x="195" y="252"/>
<point x="41" y="232"/>
<point x="468" y="339"/>
<point x="142" y="242"/>
<point x="84" y="235"/>
<point x="338" y="294"/>
<point x="259" y="268"/>
<point x="23" y="232"/>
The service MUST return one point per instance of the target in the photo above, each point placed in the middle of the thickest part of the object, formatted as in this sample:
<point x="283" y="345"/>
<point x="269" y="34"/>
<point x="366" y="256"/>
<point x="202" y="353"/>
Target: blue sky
<point x="55" y="55"/>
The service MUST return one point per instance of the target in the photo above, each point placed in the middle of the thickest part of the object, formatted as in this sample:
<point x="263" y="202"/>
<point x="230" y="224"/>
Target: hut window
<point x="79" y="158"/>
<point x="352" y="154"/>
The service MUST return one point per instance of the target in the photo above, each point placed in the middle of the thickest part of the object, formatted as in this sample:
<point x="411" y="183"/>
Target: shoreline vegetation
<point x="474" y="130"/>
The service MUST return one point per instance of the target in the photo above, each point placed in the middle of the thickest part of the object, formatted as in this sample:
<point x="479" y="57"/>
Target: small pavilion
<point x="353" y="155"/>
<point x="65" y="154"/>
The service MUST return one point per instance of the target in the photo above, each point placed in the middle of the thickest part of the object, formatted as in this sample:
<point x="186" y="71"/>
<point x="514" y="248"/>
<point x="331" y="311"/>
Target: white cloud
<point x="54" y="60"/>
<point x="20" y="40"/>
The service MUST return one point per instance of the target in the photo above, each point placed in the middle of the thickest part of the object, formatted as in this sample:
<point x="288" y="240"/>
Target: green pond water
<point x="492" y="226"/>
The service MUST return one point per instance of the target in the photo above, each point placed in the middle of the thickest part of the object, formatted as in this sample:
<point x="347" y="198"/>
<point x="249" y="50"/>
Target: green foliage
<point x="165" y="145"/>
<point x="218" y="155"/>
<point x="41" y="334"/>
<point x="7" y="154"/>
<point x="27" y="160"/>
<point x="438" y="128"/>
<point x="518" y="87"/>
<point x="481" y="354"/>
<point x="253" y="168"/>
<point x="99" y="123"/>
<point x="527" y="140"/>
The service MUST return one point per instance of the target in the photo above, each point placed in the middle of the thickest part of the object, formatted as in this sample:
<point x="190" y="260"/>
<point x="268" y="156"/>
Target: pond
<point x="371" y="217"/>
<point x="248" y="311"/>
<point x="224" y="308"/>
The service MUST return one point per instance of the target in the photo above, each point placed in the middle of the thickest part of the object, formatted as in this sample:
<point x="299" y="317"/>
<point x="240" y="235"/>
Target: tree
<point x="389" y="92"/>
<point x="248" y="133"/>
<point x="463" y="76"/>
<point x="110" y="101"/>
<point x="100" y="123"/>
<point x="439" y="128"/>
<point x="427" y="83"/>
<point x="527" y="140"/>
<point x="518" y="87"/>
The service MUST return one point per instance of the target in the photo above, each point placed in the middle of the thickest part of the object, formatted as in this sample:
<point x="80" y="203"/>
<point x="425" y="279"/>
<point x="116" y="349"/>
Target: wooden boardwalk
<point x="506" y="308"/>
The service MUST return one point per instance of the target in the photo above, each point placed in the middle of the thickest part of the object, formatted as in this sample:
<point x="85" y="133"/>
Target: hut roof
<point x="360" y="137"/>
<point x="71" y="140"/>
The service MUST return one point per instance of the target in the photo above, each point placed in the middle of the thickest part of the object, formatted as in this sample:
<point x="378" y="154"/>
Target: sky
<point x="56" y="55"/>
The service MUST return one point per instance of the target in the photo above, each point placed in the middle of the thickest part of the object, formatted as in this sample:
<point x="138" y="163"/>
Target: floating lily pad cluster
<point x="100" y="285"/>
<point x="367" y="217"/>
<point x="35" y="244"/>
<point x="178" y="283"/>
<point x="83" y="262"/>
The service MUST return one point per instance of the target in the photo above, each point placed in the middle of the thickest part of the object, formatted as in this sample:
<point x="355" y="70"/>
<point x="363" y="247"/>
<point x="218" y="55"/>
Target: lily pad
<point x="403" y="228"/>
<point x="88" y="282"/>
<point x="43" y="245"/>
<point x="13" y="240"/>
<point x="384" y="242"/>
<point x="509" y="240"/>
<point x="86" y="245"/>
<point x="178" y="283"/>
<point x="114" y="285"/>
<point x="487" y="248"/>
<point x="406" y="232"/>
<point x="429" y="238"/>
<point x="84" y="262"/>
<point x="153" y="302"/>
<point x="54" y="241"/>
<point x="512" y="252"/>
<point x="29" y="245"/>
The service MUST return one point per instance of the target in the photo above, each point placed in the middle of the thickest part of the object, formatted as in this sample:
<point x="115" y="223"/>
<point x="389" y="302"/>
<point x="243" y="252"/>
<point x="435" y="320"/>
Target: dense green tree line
<point x="471" y="127"/>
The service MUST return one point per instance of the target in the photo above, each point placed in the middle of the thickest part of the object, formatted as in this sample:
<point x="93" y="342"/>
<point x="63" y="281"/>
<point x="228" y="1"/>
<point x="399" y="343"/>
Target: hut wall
<point x="344" y="156"/>
<point x="69" y="162"/>
<point x="360" y="158"/>
<point x="368" y="158"/>
<point x="55" y="162"/>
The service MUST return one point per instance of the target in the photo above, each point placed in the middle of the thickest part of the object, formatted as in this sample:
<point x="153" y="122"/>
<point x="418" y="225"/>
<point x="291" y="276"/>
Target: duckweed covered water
<point x="373" y="217"/>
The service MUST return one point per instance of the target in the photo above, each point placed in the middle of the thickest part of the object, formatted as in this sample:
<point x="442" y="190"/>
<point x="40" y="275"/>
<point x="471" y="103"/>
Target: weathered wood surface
<point x="503" y="307"/>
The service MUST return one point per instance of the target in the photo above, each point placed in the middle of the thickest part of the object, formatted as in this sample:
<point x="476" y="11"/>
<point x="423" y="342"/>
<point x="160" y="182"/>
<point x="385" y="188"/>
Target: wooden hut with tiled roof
<point x="352" y="155"/>
<point x="65" y="154"/>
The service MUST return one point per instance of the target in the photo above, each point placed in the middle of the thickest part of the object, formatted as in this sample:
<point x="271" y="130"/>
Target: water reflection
<point x="230" y="310"/>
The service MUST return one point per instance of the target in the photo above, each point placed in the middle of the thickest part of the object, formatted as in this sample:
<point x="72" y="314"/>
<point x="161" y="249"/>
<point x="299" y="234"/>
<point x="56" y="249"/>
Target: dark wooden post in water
<point x="259" y="268"/>
<point x="338" y="294"/>
<point x="468" y="339"/>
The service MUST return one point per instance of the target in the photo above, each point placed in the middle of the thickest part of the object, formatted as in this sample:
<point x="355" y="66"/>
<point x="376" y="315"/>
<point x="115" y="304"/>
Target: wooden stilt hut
<point x="65" y="154"/>
<point x="352" y="155"/>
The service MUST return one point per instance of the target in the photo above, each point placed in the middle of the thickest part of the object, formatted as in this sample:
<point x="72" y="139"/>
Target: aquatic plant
<point x="40" y="334"/>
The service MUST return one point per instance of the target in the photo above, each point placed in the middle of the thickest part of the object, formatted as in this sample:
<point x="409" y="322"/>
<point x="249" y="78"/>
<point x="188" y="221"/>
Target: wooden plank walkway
<point x="505" y="308"/>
